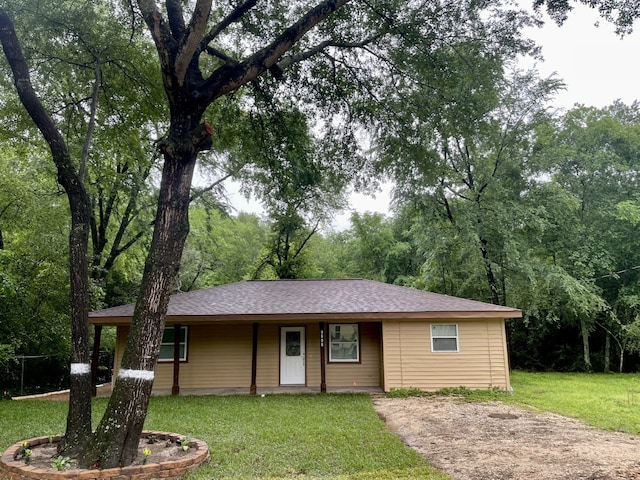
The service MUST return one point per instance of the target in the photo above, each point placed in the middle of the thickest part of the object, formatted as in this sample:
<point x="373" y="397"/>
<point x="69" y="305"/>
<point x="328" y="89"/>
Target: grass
<point x="336" y="437"/>
<point x="608" y="401"/>
<point x="339" y="437"/>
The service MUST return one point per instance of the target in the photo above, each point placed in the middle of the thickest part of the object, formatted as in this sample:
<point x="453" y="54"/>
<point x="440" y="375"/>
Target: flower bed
<point x="161" y="454"/>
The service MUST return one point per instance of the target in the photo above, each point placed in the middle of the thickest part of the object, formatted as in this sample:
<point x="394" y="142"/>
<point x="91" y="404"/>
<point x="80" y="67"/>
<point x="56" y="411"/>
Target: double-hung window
<point x="167" y="345"/>
<point x="444" y="337"/>
<point x="344" y="342"/>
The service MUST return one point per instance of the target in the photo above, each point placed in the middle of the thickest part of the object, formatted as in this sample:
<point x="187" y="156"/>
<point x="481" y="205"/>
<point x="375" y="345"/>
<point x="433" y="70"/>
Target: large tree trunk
<point x="116" y="438"/>
<point x="78" y="432"/>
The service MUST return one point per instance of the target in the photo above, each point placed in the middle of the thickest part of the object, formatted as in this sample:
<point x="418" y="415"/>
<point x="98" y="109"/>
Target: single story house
<point x="326" y="335"/>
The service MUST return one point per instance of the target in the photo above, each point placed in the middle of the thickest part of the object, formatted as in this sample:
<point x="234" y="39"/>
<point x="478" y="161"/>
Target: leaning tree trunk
<point x="115" y="441"/>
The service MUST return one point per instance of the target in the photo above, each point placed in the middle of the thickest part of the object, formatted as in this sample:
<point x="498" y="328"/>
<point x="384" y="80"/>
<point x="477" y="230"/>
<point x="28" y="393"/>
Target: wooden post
<point x="254" y="360"/>
<point x="323" y="373"/>
<point x="97" y="334"/>
<point x="175" y="388"/>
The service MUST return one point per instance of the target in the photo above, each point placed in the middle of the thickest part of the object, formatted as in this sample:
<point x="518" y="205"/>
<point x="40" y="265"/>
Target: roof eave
<point x="305" y="317"/>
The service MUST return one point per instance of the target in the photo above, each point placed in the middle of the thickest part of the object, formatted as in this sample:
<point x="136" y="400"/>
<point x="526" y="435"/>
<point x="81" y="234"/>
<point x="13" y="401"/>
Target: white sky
<point x="596" y="65"/>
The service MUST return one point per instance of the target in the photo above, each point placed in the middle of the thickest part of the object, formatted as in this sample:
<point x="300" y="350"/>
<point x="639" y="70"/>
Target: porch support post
<point x="254" y="360"/>
<point x="97" y="334"/>
<point x="175" y="388"/>
<point x="323" y="373"/>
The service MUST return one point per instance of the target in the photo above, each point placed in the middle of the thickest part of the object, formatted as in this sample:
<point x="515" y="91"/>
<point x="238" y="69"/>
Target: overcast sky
<point x="596" y="65"/>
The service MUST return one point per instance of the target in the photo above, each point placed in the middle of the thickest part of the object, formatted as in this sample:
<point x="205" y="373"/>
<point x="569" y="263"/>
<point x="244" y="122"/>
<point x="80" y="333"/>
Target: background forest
<point x="496" y="196"/>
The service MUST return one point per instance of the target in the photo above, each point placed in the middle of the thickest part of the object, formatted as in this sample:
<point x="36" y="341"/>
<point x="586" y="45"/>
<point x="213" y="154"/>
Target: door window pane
<point x="292" y="348"/>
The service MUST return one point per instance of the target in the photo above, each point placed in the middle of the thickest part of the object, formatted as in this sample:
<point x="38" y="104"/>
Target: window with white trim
<point x="344" y="342"/>
<point x="166" y="347"/>
<point x="444" y="337"/>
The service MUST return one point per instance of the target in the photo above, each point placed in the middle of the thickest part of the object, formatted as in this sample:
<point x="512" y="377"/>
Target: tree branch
<point x="214" y="52"/>
<point x="166" y="45"/>
<point x="190" y="41"/>
<point x="175" y="15"/>
<point x="233" y="17"/>
<point x="302" y="56"/>
<point x="29" y="98"/>
<point x="308" y="237"/>
<point x="208" y="188"/>
<point x="92" y="121"/>
<point x="229" y="78"/>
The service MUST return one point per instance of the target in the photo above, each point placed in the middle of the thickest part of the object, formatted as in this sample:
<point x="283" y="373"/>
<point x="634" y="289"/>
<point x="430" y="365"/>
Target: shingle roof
<point x="316" y="298"/>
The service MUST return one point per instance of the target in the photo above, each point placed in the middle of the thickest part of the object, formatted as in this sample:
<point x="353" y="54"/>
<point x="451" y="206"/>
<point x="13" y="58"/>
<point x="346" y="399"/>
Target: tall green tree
<point x="466" y="166"/>
<point x="220" y="248"/>
<point x="294" y="175"/>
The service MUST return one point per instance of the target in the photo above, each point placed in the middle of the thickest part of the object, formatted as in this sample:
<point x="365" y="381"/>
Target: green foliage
<point x="220" y="249"/>
<point x="405" y="392"/>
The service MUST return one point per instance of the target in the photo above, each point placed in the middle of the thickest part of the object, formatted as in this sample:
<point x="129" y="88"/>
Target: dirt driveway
<point x="483" y="441"/>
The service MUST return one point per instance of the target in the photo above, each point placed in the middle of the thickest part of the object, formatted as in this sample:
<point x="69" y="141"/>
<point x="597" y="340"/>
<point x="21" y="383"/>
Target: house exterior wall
<point x="480" y="362"/>
<point x="219" y="356"/>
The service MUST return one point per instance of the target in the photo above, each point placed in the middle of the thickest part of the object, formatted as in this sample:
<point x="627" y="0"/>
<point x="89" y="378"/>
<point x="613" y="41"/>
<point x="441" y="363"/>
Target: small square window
<point x="166" y="347"/>
<point x="444" y="338"/>
<point x="344" y="342"/>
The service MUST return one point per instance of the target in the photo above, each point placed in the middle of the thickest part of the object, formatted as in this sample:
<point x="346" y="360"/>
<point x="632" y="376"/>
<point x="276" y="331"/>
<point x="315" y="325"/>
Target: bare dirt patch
<point x="482" y="441"/>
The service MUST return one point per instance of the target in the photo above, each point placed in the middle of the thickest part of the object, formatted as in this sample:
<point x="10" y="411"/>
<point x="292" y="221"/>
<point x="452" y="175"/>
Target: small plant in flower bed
<point x="145" y="455"/>
<point x="24" y="452"/>
<point x="184" y="443"/>
<point x="61" y="463"/>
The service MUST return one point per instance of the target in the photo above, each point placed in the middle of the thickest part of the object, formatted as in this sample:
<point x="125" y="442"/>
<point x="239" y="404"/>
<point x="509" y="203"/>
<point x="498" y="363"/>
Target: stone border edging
<point x="171" y="469"/>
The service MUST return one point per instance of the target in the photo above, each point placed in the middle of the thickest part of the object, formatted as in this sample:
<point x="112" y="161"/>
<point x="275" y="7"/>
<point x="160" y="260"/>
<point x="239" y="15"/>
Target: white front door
<point x="292" y="356"/>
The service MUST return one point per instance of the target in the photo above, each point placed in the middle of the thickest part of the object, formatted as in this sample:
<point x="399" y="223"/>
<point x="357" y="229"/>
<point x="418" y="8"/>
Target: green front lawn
<point x="331" y="436"/>
<point x="276" y="436"/>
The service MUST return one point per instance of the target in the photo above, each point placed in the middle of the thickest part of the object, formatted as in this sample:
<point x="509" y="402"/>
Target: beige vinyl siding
<point x="481" y="361"/>
<point x="121" y="341"/>
<point x="218" y="357"/>
<point x="312" y="362"/>
<point x="366" y="373"/>
<point x="268" y="360"/>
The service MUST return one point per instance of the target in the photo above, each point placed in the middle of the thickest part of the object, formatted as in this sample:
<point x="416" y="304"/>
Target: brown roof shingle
<point x="319" y="298"/>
